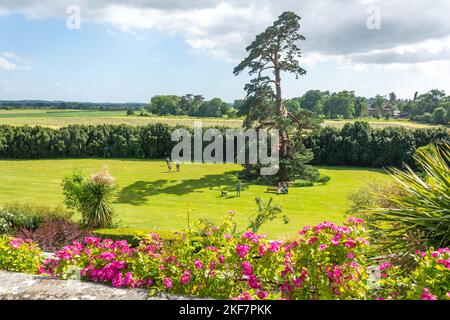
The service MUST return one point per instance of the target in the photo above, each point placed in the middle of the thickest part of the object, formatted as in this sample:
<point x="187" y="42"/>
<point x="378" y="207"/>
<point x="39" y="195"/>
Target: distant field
<point x="151" y="198"/>
<point x="60" y="118"/>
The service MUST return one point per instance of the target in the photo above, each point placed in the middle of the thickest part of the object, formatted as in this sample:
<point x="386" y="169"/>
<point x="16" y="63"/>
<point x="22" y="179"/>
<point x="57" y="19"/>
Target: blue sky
<point x="129" y="51"/>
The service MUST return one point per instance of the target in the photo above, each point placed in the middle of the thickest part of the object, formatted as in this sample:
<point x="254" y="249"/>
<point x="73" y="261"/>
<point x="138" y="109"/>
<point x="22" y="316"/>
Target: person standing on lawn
<point x="238" y="188"/>
<point x="169" y="166"/>
<point x="177" y="165"/>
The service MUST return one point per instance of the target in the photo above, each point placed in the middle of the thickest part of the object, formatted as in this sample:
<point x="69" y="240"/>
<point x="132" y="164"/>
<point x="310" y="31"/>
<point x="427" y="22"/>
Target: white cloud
<point x="413" y="32"/>
<point x="10" y="61"/>
<point x="6" y="65"/>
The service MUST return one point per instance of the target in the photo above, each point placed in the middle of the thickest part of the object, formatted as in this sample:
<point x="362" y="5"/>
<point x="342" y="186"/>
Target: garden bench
<point x="272" y="189"/>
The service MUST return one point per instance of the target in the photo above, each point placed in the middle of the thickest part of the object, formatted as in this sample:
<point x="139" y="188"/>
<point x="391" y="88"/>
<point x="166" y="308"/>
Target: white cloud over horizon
<point x="224" y="28"/>
<point x="414" y="35"/>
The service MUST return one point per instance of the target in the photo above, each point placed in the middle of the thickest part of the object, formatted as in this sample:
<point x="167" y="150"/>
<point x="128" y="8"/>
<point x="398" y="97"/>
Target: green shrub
<point x="266" y="212"/>
<point x="19" y="255"/>
<point x="324" y="179"/>
<point x="303" y="183"/>
<point x="29" y="215"/>
<point x="356" y="144"/>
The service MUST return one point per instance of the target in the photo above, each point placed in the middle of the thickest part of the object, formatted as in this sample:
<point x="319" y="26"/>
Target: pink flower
<point x="242" y="250"/>
<point x="198" y="264"/>
<point x="274" y="246"/>
<point x="303" y="231"/>
<point x="118" y="281"/>
<point x="211" y="248"/>
<point x="262" y="294"/>
<point x="335" y="240"/>
<point x="350" y="243"/>
<point x="107" y="256"/>
<point x="380" y="298"/>
<point x="129" y="282"/>
<point x="243" y="296"/>
<point x="212" y="265"/>
<point x="290" y="246"/>
<point x="107" y="243"/>
<point x="253" y="282"/>
<point x="248" y="235"/>
<point x="185" y="277"/>
<point x="312" y="240"/>
<point x="427" y="295"/>
<point x="421" y="253"/>
<point x="92" y="240"/>
<point x="350" y="255"/>
<point x="262" y="250"/>
<point x="16" y="242"/>
<point x="384" y="265"/>
<point x="168" y="283"/>
<point x="247" y="268"/>
<point x="355" y="220"/>
<point x="322" y="247"/>
<point x="221" y="258"/>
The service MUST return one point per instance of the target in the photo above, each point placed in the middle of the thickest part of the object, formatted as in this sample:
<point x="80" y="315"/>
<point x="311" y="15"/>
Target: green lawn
<point x="151" y="198"/>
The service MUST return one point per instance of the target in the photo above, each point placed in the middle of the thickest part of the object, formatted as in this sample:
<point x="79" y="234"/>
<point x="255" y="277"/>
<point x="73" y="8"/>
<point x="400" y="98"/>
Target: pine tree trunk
<point x="283" y="133"/>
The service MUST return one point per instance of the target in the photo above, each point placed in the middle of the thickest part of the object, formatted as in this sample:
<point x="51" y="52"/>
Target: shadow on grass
<point x="139" y="192"/>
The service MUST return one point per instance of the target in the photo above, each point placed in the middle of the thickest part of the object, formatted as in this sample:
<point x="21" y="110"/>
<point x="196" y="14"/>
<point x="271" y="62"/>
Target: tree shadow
<point x="139" y="192"/>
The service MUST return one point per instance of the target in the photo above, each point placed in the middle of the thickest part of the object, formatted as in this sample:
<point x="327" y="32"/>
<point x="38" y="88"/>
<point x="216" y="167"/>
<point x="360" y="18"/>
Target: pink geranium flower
<point x="168" y="283"/>
<point x="427" y="295"/>
<point x="198" y="264"/>
<point x="242" y="250"/>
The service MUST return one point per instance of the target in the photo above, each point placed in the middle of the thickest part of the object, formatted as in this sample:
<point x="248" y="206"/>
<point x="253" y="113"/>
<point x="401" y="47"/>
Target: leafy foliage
<point x="28" y="215"/>
<point x="358" y="144"/>
<point x="276" y="50"/>
<point x="92" y="197"/>
<point x="266" y="212"/>
<point x="18" y="255"/>
<point x="422" y="211"/>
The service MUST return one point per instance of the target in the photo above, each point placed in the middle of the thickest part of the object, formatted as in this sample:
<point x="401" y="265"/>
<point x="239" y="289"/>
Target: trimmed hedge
<point x="356" y="144"/>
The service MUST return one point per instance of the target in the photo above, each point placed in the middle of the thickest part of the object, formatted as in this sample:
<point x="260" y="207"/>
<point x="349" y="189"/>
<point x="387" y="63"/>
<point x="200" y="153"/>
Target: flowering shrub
<point x="19" y="255"/>
<point x="326" y="262"/>
<point x="430" y="280"/>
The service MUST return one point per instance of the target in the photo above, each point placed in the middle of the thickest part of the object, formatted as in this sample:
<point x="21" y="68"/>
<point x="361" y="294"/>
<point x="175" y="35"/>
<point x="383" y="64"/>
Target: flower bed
<point x="323" y="262"/>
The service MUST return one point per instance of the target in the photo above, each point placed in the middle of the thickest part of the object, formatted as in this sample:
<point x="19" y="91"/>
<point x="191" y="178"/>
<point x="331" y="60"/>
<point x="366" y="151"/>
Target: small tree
<point x="92" y="197"/>
<point x="266" y="212"/>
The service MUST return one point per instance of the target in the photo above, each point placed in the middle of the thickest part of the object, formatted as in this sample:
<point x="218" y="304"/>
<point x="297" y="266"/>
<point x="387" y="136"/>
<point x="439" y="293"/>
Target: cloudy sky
<point x="132" y="50"/>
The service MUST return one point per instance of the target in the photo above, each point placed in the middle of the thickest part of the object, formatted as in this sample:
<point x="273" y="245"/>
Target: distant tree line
<point x="432" y="107"/>
<point x="355" y="144"/>
<point x="42" y="104"/>
<point x="190" y="105"/>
